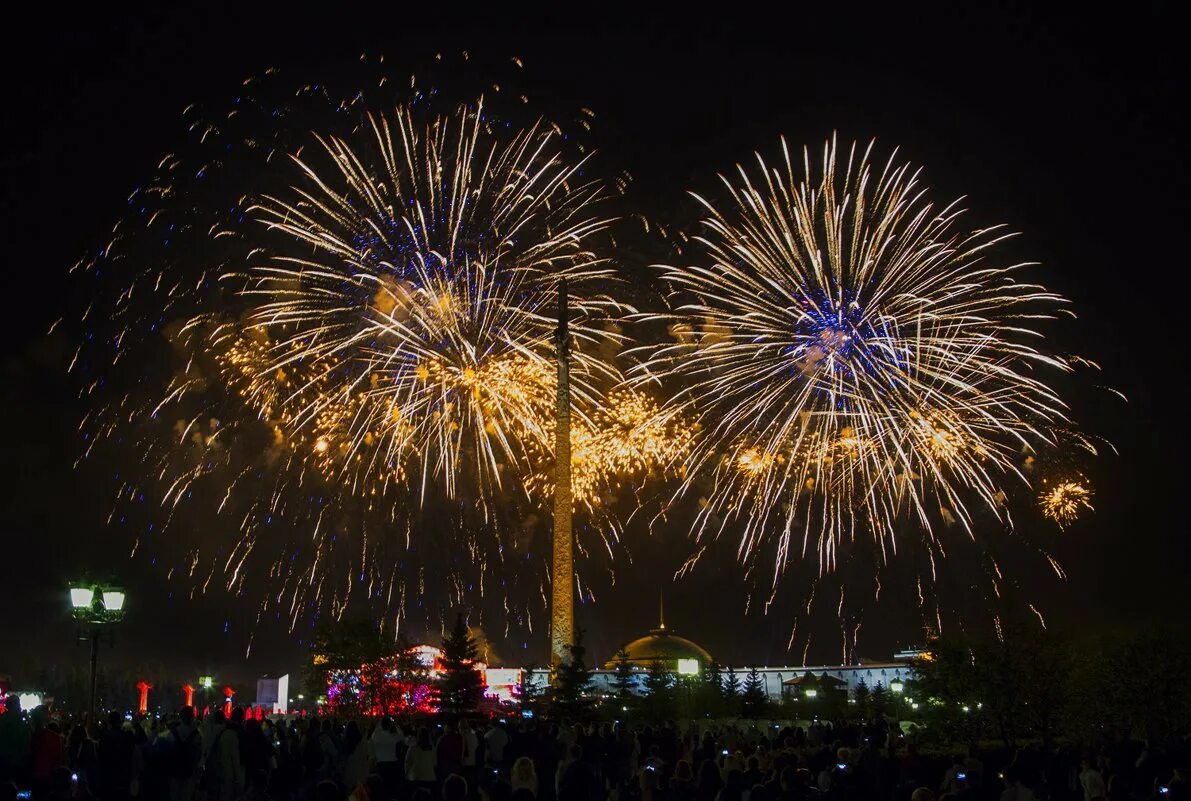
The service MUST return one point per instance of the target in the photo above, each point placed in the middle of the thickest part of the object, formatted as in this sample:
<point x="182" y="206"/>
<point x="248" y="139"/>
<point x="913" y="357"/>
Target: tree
<point x="570" y="692"/>
<point x="346" y="648"/>
<point x="1013" y="685"/>
<point x="731" y="693"/>
<point x="753" y="700"/>
<point x="411" y="678"/>
<point x="658" y="701"/>
<point x="624" y="681"/>
<point x="528" y="693"/>
<point x="879" y="700"/>
<point x="863" y="699"/>
<point x="460" y="687"/>
<point x="1130" y="686"/>
<point x="711" y="690"/>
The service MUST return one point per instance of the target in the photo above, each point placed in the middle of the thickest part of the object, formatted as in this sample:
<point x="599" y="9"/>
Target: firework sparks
<point x="364" y="336"/>
<point x="422" y="264"/>
<point x="851" y="355"/>
<point x="1066" y="501"/>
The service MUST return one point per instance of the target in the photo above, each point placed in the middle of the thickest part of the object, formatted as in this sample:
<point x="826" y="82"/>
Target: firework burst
<point x="357" y="326"/>
<point x="417" y="271"/>
<point x="1065" y="501"/>
<point x="853" y="356"/>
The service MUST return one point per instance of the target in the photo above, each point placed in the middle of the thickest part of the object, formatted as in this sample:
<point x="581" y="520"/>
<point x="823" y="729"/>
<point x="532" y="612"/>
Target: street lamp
<point x="93" y="607"/>
<point x="205" y="684"/>
<point x="897" y="687"/>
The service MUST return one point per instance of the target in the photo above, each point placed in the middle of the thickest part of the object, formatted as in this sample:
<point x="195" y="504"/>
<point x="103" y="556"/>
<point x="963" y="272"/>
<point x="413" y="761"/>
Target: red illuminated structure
<point x="228" y="692"/>
<point x="394" y="685"/>
<point x="187" y="695"/>
<point x="142" y="704"/>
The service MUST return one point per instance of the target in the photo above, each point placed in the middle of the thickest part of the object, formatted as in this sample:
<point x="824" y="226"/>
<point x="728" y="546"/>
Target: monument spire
<point x="562" y="611"/>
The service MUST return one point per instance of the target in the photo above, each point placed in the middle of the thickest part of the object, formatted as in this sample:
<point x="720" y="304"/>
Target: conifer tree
<point x="459" y="687"/>
<point x="753" y="699"/>
<point x="570" y="690"/>
<point x="624" y="681"/>
<point x="658" y="701"/>
<point x="732" y="692"/>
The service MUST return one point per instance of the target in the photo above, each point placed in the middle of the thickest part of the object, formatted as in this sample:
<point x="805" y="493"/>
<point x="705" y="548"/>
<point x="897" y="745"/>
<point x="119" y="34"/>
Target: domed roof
<point x="663" y="644"/>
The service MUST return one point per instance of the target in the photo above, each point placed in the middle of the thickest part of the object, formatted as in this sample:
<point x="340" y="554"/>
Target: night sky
<point x="1068" y="127"/>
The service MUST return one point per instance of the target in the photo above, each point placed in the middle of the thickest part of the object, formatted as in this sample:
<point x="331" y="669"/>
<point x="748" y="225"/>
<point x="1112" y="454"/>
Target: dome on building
<point x="663" y="644"/>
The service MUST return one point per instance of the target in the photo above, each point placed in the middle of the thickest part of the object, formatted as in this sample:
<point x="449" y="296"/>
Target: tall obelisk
<point x="562" y="609"/>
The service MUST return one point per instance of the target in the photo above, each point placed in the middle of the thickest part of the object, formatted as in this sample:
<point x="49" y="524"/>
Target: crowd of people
<point x="227" y="758"/>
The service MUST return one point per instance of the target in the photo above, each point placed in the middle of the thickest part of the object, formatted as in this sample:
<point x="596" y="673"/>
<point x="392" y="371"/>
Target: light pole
<point x="205" y="684"/>
<point x="95" y="606"/>
<point x="898" y="688"/>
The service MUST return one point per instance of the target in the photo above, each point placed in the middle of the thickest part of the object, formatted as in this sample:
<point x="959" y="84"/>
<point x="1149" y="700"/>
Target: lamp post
<point x="898" y="688"/>
<point x="810" y="694"/>
<point x="205" y="684"/>
<point x="95" y="606"/>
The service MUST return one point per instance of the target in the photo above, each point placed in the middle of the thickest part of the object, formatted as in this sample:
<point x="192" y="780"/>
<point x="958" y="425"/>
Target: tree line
<point x="1034" y="684"/>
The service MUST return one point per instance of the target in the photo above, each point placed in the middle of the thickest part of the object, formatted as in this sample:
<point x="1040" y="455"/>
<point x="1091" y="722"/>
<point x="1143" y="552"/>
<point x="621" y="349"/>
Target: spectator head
<point x="8" y="791"/>
<point x="115" y="720"/>
<point x="186" y="713"/>
<point x="327" y="790"/>
<point x="709" y="778"/>
<point x="734" y="782"/>
<point x="922" y="794"/>
<point x="421" y="794"/>
<point x="682" y="771"/>
<point x="523" y="770"/>
<point x="575" y="752"/>
<point x="238" y="715"/>
<point x="759" y="793"/>
<point x="499" y="790"/>
<point x="522" y="794"/>
<point x="454" y="788"/>
<point x="754" y="763"/>
<point x="424" y="738"/>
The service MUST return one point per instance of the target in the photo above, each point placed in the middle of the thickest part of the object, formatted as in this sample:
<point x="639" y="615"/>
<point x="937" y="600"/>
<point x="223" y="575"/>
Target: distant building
<point x="686" y="657"/>
<point x="273" y="693"/>
<point x="679" y="654"/>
